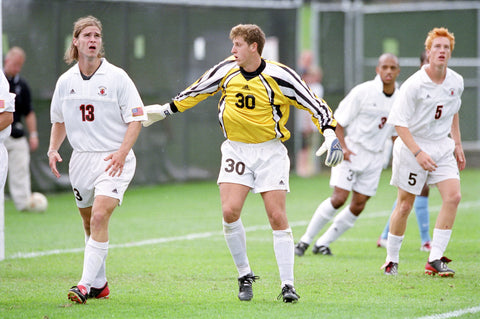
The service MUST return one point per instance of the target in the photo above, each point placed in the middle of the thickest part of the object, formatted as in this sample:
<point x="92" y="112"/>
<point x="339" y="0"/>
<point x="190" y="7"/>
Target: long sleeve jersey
<point x="255" y="106"/>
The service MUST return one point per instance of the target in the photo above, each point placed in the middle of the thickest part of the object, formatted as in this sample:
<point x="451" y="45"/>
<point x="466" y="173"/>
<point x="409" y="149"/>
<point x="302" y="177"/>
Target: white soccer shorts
<point x="89" y="179"/>
<point x="408" y="175"/>
<point x="361" y="173"/>
<point x="262" y="167"/>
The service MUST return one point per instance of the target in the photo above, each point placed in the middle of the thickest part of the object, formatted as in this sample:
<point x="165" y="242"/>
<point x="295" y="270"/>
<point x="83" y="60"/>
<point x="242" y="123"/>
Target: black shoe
<point x="390" y="268"/>
<point x="78" y="294"/>
<point x="289" y="294"/>
<point x="245" y="292"/>
<point x="100" y="293"/>
<point x="439" y="266"/>
<point x="300" y="248"/>
<point x="323" y="250"/>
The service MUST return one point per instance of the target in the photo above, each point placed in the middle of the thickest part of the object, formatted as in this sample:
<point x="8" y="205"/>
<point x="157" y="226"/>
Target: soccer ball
<point x="38" y="203"/>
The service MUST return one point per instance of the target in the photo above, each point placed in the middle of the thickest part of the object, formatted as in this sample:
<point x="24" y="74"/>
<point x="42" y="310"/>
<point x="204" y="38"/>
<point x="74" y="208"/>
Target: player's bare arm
<point x="455" y="134"/>
<point x="6" y="118"/>
<point x="340" y="132"/>
<point x="57" y="136"/>
<point x="117" y="159"/>
<point x="423" y="159"/>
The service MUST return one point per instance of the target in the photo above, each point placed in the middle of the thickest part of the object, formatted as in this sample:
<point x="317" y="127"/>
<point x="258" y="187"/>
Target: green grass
<point x="180" y="276"/>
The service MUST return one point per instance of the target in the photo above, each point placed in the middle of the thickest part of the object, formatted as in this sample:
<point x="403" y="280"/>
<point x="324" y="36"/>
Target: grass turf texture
<point x="186" y="271"/>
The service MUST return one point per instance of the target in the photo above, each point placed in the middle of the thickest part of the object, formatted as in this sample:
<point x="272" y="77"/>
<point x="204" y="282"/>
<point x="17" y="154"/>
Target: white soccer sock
<point x="237" y="243"/>
<point x="320" y="218"/>
<point x="95" y="254"/>
<point x="284" y="252"/>
<point x="101" y="278"/>
<point x="394" y="243"/>
<point x="342" y="222"/>
<point x="440" y="240"/>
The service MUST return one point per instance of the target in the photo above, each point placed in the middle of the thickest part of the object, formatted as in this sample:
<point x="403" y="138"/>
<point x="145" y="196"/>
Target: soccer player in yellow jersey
<point x="253" y="111"/>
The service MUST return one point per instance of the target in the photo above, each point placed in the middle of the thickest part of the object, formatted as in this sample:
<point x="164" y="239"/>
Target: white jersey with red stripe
<point x="96" y="112"/>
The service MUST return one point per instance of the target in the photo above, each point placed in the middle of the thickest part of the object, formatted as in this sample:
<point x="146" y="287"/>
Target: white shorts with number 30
<point x="408" y="175"/>
<point x="262" y="167"/>
<point x="89" y="179"/>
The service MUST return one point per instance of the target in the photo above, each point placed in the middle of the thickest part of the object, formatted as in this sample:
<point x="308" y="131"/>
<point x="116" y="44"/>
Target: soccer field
<point x="168" y="259"/>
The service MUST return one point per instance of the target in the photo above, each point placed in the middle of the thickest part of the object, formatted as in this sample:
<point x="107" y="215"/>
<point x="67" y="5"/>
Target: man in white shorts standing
<point x="253" y="111"/>
<point x="97" y="107"/>
<point x="424" y="115"/>
<point x="363" y="113"/>
<point x="7" y="108"/>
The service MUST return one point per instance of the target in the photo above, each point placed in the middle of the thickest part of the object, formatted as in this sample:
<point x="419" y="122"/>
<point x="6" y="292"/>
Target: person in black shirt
<point x="17" y="144"/>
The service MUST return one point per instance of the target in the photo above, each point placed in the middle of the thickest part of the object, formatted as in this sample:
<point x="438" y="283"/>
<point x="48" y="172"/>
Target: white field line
<point x="453" y="314"/>
<point x="194" y="236"/>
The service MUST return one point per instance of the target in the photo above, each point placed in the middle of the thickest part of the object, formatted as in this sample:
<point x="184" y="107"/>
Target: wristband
<point x="33" y="134"/>
<point x="417" y="152"/>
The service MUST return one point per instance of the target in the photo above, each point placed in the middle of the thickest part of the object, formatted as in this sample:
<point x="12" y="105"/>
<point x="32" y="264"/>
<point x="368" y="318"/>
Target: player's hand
<point x="53" y="158"/>
<point x="116" y="162"/>
<point x="156" y="112"/>
<point x="332" y="147"/>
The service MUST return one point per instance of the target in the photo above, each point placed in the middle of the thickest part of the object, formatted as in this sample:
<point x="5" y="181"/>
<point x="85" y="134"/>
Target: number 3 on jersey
<point x="87" y="112"/>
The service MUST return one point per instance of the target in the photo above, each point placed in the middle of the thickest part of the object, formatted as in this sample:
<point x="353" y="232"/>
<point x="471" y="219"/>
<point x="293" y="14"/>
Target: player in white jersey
<point x="363" y="114"/>
<point x="253" y="111"/>
<point x="424" y="115"/>
<point x="7" y="107"/>
<point x="97" y="107"/>
<point x="420" y="205"/>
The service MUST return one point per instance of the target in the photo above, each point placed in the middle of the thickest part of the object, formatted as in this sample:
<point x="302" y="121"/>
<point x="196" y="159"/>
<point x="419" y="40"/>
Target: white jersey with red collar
<point x="427" y="108"/>
<point x="96" y="112"/>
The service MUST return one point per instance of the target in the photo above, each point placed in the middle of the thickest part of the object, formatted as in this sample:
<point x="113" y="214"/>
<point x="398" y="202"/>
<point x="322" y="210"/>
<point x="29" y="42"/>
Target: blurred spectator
<point x="17" y="145"/>
<point x="306" y="163"/>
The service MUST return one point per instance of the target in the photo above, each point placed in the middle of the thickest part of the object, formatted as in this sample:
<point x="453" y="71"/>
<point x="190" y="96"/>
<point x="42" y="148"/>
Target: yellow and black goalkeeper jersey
<point x="255" y="106"/>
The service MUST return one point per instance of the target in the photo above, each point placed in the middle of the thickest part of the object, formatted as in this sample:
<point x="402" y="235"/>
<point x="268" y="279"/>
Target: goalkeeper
<point x="363" y="113"/>
<point x="252" y="111"/>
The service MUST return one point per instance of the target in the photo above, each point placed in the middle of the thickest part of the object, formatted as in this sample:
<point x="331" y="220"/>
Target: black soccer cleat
<point x="288" y="294"/>
<point x="245" y="291"/>
<point x="78" y="294"/>
<point x="439" y="267"/>
<point x="100" y="293"/>
<point x="300" y="248"/>
<point x="322" y="250"/>
<point x="390" y="268"/>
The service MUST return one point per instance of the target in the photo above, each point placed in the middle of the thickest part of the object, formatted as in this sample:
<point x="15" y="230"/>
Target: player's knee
<point x="338" y="200"/>
<point x="454" y="199"/>
<point x="357" y="208"/>
<point x="230" y="215"/>
<point x="98" y="220"/>
<point x="404" y="207"/>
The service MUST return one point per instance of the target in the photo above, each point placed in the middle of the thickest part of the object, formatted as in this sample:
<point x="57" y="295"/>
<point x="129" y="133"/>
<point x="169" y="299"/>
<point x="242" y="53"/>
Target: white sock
<point x="284" y="252"/>
<point x="237" y="243"/>
<point x="320" y="218"/>
<point x="394" y="243"/>
<point x="101" y="278"/>
<point x="342" y="222"/>
<point x="440" y="240"/>
<point x="95" y="254"/>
